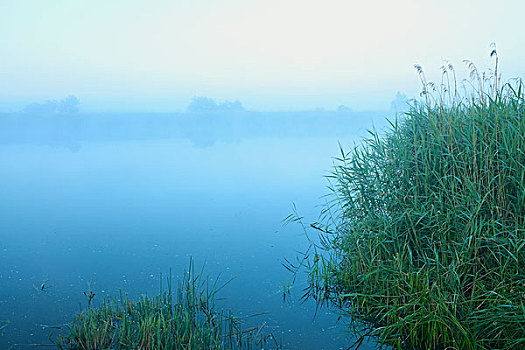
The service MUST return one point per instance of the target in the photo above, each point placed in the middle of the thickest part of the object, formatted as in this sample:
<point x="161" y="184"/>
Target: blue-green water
<point x="113" y="216"/>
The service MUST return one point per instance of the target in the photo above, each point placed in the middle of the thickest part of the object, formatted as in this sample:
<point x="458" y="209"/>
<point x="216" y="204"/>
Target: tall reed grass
<point x="186" y="319"/>
<point x="422" y="242"/>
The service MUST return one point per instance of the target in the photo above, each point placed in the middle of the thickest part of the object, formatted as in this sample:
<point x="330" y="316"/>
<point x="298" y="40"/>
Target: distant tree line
<point x="206" y="104"/>
<point x="70" y="105"/>
<point x="67" y="105"/>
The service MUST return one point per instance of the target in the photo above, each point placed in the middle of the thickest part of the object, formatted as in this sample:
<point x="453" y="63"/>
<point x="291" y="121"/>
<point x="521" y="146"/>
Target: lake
<point x="114" y="215"/>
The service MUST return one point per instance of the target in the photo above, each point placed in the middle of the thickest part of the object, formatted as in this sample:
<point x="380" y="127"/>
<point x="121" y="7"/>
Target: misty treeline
<point x="205" y="121"/>
<point x="66" y="105"/>
<point x="198" y="104"/>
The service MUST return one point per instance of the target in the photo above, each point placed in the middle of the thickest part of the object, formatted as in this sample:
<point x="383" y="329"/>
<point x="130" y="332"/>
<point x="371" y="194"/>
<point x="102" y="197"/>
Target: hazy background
<point x="272" y="55"/>
<point x="137" y="134"/>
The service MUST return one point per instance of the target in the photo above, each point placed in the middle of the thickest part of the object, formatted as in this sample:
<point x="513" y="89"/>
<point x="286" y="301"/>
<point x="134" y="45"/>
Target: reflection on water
<point x="115" y="215"/>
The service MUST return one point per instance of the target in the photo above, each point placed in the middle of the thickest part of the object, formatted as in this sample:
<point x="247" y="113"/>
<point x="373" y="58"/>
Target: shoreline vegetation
<point x="422" y="241"/>
<point x="185" y="319"/>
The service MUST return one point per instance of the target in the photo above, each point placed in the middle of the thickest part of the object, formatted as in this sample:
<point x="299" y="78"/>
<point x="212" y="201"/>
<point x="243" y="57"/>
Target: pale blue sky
<point x="271" y="54"/>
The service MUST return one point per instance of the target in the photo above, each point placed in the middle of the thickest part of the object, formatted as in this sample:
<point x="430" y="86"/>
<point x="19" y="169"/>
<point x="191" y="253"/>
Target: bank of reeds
<point x="185" y="319"/>
<point x="422" y="242"/>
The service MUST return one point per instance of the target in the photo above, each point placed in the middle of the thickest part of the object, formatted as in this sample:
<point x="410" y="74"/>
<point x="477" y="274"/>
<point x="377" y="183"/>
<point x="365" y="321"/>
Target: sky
<point x="155" y="55"/>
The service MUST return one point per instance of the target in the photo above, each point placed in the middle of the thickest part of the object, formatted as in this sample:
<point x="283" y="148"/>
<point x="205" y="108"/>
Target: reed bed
<point x="422" y="240"/>
<point x="186" y="319"/>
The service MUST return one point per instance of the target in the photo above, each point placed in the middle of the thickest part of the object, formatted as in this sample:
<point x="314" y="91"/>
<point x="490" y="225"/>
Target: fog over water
<point x="273" y="55"/>
<point x="112" y="201"/>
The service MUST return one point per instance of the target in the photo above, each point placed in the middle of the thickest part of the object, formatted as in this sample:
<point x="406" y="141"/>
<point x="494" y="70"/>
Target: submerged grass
<point x="3" y="326"/>
<point x="184" y="320"/>
<point x="422" y="243"/>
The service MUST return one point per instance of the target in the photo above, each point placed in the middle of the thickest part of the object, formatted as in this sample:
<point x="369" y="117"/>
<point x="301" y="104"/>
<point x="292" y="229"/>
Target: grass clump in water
<point x="3" y="326"/>
<point x="185" y="320"/>
<point x="423" y="241"/>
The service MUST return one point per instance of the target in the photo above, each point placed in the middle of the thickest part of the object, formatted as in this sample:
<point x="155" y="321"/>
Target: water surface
<point x="114" y="215"/>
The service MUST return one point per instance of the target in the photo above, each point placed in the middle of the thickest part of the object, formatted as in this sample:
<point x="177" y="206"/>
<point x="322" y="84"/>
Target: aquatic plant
<point x="184" y="320"/>
<point x="3" y="326"/>
<point x="422" y="240"/>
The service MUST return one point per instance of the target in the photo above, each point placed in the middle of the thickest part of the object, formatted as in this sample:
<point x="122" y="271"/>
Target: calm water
<point x="115" y="215"/>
